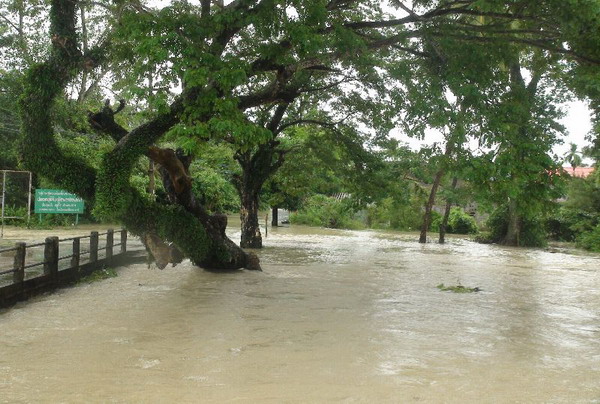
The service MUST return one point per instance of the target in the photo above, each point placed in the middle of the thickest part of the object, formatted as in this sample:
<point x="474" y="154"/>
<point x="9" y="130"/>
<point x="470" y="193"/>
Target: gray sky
<point x="578" y="122"/>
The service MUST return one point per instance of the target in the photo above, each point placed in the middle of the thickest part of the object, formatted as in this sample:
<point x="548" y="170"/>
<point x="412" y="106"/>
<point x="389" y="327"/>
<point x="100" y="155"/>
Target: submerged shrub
<point x="457" y="289"/>
<point x="390" y="213"/>
<point x="590" y="240"/>
<point x="533" y="233"/>
<point x="459" y="222"/>
<point x="323" y="211"/>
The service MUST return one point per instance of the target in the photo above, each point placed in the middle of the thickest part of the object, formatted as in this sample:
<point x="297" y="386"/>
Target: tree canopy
<point x="246" y="71"/>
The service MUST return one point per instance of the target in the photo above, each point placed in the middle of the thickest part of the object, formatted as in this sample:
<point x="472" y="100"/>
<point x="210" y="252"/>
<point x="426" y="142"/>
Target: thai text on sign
<point x="57" y="201"/>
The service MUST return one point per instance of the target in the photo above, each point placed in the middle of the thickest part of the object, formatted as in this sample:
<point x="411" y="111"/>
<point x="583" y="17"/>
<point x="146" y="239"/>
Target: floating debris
<point x="457" y="289"/>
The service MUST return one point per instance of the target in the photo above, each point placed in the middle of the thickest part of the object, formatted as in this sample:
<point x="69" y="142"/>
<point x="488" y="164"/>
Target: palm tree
<point x="573" y="157"/>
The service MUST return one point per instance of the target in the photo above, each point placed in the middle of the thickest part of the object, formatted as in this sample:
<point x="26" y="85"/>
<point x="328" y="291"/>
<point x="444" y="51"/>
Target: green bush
<point x="590" y="240"/>
<point x="390" y="213"/>
<point x="434" y="223"/>
<point x="565" y="224"/>
<point x="13" y="211"/>
<point x="533" y="233"/>
<point x="45" y="221"/>
<point x="323" y="211"/>
<point x="459" y="222"/>
<point x="49" y="220"/>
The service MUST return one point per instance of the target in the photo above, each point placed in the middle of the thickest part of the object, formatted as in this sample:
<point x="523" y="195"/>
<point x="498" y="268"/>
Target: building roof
<point x="580" y="172"/>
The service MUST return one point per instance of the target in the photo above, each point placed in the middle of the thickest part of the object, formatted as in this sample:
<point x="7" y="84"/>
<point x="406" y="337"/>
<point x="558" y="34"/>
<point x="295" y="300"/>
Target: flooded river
<point x="336" y="316"/>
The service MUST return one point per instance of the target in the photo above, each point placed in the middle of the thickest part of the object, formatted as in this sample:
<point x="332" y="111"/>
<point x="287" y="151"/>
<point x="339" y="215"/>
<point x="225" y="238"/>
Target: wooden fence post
<point x="19" y="263"/>
<point x="76" y="251"/>
<point x="109" y="244"/>
<point x="94" y="246"/>
<point x="51" y="257"/>
<point x="123" y="241"/>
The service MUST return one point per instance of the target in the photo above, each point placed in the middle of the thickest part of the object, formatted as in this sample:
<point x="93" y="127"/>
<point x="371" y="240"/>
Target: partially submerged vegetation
<point x="252" y="103"/>
<point x="457" y="289"/>
<point x="98" y="275"/>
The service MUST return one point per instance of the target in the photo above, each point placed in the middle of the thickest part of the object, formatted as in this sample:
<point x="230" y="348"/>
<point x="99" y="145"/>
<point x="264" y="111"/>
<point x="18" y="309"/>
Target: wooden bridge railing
<point x="50" y="274"/>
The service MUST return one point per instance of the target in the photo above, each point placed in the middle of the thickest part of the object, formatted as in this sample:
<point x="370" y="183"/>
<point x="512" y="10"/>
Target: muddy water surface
<point x="336" y="316"/>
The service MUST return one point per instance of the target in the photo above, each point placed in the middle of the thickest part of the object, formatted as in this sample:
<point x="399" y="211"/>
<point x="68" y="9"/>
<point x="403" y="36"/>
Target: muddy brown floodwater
<point x="336" y="316"/>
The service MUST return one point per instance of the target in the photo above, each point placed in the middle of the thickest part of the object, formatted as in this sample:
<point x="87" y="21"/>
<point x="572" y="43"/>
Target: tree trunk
<point x="251" y="237"/>
<point x="151" y="181"/>
<point x="84" y="37"/>
<point x="170" y="229"/>
<point x="429" y="206"/>
<point x="275" y="217"/>
<point x="513" y="230"/>
<point x="257" y="166"/>
<point x="444" y="224"/>
<point x="220" y="252"/>
<point x="436" y="183"/>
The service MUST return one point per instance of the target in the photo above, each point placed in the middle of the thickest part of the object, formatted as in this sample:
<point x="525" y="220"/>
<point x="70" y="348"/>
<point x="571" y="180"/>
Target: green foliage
<point x="15" y="211"/>
<point x="10" y="88"/>
<point x="41" y="152"/>
<point x="220" y="74"/>
<point x="21" y="47"/>
<point x="323" y="211"/>
<point x="457" y="289"/>
<point x="212" y="176"/>
<point x="590" y="240"/>
<point x="522" y="125"/>
<point x="578" y="218"/>
<point x="215" y="192"/>
<point x="395" y="213"/>
<point x="47" y="220"/>
<point x="459" y="222"/>
<point x="140" y="179"/>
<point x="436" y="217"/>
<point x="173" y="224"/>
<point x="583" y="195"/>
<point x="573" y="156"/>
<point x="400" y="194"/>
<point x="561" y="225"/>
<point x="320" y="161"/>
<point x="313" y="166"/>
<point x="533" y="232"/>
<point x="78" y="145"/>
<point x="99" y="275"/>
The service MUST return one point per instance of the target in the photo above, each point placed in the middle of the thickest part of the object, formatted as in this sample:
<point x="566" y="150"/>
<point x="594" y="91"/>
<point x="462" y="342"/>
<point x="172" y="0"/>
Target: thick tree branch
<point x="104" y="121"/>
<point x="9" y="22"/>
<point x="277" y="117"/>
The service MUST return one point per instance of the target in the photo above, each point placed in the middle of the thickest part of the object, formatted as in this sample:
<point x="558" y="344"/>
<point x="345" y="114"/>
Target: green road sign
<point x="57" y="201"/>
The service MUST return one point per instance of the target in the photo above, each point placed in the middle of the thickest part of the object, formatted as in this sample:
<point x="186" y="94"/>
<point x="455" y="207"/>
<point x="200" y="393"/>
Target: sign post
<point x="4" y="197"/>
<point x="58" y="201"/>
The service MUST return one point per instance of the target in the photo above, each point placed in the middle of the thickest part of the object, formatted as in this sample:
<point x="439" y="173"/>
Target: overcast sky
<point x="578" y="123"/>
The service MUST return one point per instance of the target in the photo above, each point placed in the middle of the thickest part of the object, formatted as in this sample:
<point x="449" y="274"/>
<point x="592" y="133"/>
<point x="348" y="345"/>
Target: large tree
<point x="235" y="71"/>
